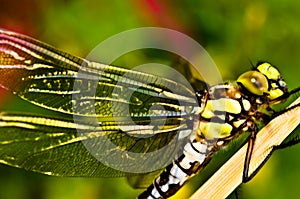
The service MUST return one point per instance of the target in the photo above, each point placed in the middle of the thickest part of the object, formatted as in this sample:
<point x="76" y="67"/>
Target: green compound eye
<point x="254" y="82"/>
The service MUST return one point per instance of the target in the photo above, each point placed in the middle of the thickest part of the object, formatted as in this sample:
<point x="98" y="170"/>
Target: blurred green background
<point x="232" y="32"/>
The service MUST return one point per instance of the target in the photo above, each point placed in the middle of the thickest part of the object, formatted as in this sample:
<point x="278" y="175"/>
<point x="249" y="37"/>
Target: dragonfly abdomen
<point x="177" y="173"/>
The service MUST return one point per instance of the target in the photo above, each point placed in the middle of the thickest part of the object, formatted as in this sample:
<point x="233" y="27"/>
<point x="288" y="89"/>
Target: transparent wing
<point x="56" y="80"/>
<point x="53" y="147"/>
<point x="189" y="72"/>
<point x="123" y="103"/>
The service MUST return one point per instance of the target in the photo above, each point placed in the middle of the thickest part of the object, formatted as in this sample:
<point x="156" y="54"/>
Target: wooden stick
<point x="229" y="176"/>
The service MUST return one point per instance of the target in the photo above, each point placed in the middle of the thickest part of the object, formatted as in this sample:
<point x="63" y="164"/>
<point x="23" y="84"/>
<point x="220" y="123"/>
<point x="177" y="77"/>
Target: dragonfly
<point x="193" y="124"/>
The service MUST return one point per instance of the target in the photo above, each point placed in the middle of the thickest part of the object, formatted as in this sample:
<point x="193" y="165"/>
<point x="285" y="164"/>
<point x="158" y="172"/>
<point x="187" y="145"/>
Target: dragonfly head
<point x="264" y="80"/>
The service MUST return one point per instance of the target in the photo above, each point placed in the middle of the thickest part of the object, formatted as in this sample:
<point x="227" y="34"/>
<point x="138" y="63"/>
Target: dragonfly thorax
<point x="225" y="113"/>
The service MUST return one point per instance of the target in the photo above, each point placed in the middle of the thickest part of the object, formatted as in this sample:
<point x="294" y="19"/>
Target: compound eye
<point x="254" y="82"/>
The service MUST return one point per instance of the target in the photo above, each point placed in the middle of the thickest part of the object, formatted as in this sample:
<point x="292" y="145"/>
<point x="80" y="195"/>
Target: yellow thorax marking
<point x="211" y="130"/>
<point x="223" y="104"/>
<point x="274" y="93"/>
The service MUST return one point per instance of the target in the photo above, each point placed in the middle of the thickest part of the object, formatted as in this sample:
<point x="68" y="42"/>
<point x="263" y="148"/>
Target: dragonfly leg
<point x="246" y="176"/>
<point x="251" y="141"/>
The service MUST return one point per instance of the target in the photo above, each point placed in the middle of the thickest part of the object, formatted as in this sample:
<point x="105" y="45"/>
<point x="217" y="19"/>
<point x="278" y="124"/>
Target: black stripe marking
<point x="193" y="147"/>
<point x="190" y="171"/>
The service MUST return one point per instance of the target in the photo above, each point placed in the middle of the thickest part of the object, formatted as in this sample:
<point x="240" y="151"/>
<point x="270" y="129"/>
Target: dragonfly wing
<point x="132" y="112"/>
<point x="190" y="73"/>
<point x="52" y="145"/>
<point x="59" y="81"/>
